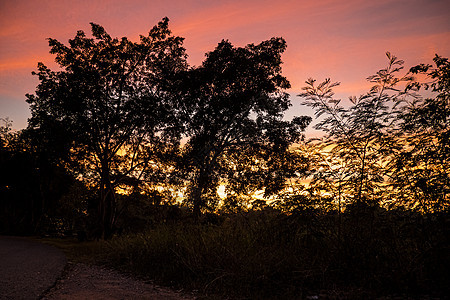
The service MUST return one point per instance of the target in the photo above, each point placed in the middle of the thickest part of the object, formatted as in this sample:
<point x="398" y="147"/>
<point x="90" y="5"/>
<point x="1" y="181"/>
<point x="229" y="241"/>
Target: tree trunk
<point x="361" y="183"/>
<point x="197" y="199"/>
<point x="339" y="211"/>
<point x="106" y="205"/>
<point x="200" y="187"/>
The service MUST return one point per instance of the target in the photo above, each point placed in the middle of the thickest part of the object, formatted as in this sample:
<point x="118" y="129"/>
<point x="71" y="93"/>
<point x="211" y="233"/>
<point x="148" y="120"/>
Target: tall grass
<point x="267" y="254"/>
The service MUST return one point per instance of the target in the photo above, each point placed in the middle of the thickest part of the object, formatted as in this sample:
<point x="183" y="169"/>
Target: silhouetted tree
<point x="359" y="139"/>
<point x="421" y="172"/>
<point x="233" y="105"/>
<point x="107" y="110"/>
<point x="265" y="172"/>
<point x="30" y="184"/>
<point x="6" y="133"/>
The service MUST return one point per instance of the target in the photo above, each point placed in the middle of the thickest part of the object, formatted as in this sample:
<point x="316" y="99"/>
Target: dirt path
<point x="27" y="268"/>
<point x="93" y="282"/>
<point x="32" y="270"/>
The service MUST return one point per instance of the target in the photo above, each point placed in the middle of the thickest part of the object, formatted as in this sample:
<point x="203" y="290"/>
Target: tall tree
<point x="234" y="104"/>
<point x="360" y="136"/>
<point x="421" y="173"/>
<point x="108" y="106"/>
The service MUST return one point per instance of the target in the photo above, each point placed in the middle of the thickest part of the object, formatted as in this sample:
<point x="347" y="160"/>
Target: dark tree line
<point x="122" y="114"/>
<point x="30" y="183"/>
<point x="134" y="116"/>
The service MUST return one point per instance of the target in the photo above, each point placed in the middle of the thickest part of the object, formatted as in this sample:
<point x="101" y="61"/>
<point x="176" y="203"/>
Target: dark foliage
<point x="233" y="107"/>
<point x="107" y="112"/>
<point x="373" y="219"/>
<point x="30" y="185"/>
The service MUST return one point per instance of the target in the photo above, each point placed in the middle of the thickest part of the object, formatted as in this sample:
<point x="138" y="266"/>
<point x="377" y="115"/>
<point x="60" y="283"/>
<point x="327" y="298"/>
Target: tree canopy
<point x="390" y="145"/>
<point x="135" y="117"/>
<point x="201" y="162"/>
<point x="234" y="105"/>
<point x="422" y="166"/>
<point x="108" y="106"/>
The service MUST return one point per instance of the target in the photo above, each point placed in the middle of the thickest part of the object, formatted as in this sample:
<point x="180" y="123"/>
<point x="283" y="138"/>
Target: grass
<point x="268" y="255"/>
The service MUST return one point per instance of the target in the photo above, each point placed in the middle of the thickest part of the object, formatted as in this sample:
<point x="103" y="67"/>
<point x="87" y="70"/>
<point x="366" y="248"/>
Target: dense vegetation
<point x="130" y="144"/>
<point x="267" y="254"/>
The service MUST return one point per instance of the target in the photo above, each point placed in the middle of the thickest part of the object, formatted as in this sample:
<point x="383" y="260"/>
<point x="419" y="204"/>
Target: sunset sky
<point x="343" y="40"/>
